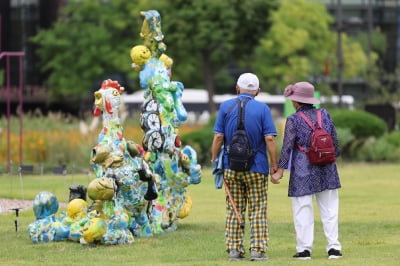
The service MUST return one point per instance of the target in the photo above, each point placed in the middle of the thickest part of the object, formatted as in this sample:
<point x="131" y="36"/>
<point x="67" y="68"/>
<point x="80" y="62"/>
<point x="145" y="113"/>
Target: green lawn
<point x="369" y="226"/>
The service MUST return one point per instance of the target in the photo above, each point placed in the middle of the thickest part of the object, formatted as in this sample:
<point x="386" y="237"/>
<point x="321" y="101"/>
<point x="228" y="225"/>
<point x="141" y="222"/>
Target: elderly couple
<point x="248" y="189"/>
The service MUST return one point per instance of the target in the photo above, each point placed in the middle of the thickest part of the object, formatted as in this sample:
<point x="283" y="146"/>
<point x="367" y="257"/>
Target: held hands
<point x="277" y="176"/>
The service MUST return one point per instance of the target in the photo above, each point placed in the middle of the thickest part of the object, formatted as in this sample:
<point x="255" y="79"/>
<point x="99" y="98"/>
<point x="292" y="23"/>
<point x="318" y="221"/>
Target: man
<point x="248" y="189"/>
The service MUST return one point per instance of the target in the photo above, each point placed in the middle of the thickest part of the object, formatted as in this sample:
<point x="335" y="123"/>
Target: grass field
<point x="369" y="226"/>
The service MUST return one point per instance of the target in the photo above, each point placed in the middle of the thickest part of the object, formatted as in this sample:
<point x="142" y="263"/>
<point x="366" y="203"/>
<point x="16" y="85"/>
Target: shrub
<point x="201" y="141"/>
<point x="378" y="150"/>
<point x="345" y="137"/>
<point x="362" y="124"/>
<point x="393" y="138"/>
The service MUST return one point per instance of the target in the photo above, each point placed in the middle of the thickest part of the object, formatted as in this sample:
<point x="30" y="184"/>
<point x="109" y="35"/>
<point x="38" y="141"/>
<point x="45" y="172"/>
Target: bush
<point x="362" y="124"/>
<point x="393" y="138"/>
<point x="345" y="137"/>
<point x="378" y="150"/>
<point x="201" y="141"/>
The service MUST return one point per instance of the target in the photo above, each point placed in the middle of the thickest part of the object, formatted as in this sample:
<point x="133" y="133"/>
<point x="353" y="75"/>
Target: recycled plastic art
<point x="139" y="190"/>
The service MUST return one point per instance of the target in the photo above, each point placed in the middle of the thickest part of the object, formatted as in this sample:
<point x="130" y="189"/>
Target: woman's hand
<point x="277" y="176"/>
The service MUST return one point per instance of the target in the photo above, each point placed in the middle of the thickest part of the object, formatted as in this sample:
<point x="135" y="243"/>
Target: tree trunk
<point x="209" y="81"/>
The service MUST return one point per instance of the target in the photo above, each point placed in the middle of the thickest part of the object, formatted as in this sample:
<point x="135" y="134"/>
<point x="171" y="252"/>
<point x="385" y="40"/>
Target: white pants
<point x="303" y="215"/>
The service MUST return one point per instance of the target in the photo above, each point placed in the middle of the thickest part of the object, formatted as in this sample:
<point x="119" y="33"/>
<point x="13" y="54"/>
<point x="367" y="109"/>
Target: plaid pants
<point x="248" y="190"/>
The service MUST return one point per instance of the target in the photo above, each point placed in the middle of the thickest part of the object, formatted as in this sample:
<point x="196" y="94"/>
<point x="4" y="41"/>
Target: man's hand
<point x="277" y="176"/>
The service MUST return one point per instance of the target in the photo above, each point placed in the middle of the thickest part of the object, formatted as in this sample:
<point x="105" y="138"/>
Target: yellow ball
<point x="77" y="209"/>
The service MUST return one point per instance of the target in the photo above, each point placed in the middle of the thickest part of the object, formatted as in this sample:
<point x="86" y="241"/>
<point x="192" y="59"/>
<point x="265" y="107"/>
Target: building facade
<point x="367" y="15"/>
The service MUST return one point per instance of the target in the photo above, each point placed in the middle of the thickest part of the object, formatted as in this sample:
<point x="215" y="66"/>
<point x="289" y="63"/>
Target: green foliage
<point x="300" y="45"/>
<point x="297" y="44"/>
<point x="345" y="137"/>
<point x="210" y="33"/>
<point x="362" y="124"/>
<point x="201" y="140"/>
<point x="376" y="150"/>
<point x="383" y="86"/>
<point x="91" y="39"/>
<point x="204" y="36"/>
<point x="393" y="138"/>
<point x="355" y="61"/>
<point x="378" y="41"/>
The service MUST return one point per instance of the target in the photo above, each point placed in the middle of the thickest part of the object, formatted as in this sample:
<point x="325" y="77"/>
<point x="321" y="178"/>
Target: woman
<point x="308" y="180"/>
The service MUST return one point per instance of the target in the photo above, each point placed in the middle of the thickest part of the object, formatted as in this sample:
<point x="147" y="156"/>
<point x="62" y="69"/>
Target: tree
<point x="206" y="35"/>
<point x="93" y="38"/>
<point x="90" y="40"/>
<point x="383" y="87"/>
<point x="300" y="45"/>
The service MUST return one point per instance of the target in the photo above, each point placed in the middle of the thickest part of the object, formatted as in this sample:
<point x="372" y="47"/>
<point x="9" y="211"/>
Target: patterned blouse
<point x="305" y="178"/>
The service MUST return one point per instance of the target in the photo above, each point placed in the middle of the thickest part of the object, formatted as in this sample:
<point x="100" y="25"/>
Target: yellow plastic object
<point x="95" y="229"/>
<point x="77" y="209"/>
<point x="101" y="189"/>
<point x="166" y="60"/>
<point x="186" y="207"/>
<point x="140" y="54"/>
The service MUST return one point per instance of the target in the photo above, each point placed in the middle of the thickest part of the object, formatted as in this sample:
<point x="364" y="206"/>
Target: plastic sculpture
<point x="123" y="177"/>
<point x="45" y="206"/>
<point x="162" y="114"/>
<point x="138" y="190"/>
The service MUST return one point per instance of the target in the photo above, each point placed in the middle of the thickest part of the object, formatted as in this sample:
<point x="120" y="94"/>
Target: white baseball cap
<point x="248" y="81"/>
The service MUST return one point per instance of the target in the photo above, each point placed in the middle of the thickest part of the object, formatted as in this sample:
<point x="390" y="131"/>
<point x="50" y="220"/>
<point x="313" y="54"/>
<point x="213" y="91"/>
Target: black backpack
<point x="240" y="153"/>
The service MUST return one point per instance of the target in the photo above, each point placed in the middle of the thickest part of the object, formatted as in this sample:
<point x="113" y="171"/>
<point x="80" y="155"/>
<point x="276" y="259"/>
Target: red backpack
<point x="322" y="150"/>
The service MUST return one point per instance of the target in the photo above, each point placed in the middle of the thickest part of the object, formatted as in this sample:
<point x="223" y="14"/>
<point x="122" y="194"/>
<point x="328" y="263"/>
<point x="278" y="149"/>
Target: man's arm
<point x="216" y="146"/>
<point x="272" y="153"/>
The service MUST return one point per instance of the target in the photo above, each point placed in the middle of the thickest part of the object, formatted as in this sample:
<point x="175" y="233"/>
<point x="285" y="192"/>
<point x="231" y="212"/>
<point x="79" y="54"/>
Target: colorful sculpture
<point x="139" y="190"/>
<point x="162" y="114"/>
<point x="45" y="206"/>
<point x="122" y="175"/>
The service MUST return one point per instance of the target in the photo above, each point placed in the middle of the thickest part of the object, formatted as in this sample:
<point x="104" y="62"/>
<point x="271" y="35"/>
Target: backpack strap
<point x="305" y="118"/>
<point x="319" y="118"/>
<point x="237" y="102"/>
<point x="241" y="119"/>
<point x="233" y="106"/>
<point x="241" y="111"/>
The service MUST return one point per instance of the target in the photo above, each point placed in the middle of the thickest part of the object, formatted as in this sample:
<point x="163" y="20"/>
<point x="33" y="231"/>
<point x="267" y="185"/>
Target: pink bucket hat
<point x="302" y="92"/>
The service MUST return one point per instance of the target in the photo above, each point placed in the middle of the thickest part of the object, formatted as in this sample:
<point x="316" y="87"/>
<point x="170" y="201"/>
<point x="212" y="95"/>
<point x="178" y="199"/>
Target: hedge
<point x="361" y="123"/>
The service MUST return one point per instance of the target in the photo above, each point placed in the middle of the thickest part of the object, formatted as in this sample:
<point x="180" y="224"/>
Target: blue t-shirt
<point x="258" y="123"/>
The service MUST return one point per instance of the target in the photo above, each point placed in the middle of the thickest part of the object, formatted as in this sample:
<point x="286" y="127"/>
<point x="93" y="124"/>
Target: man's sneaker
<point x="304" y="255"/>
<point x="334" y="254"/>
<point x="258" y="255"/>
<point x="235" y="255"/>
